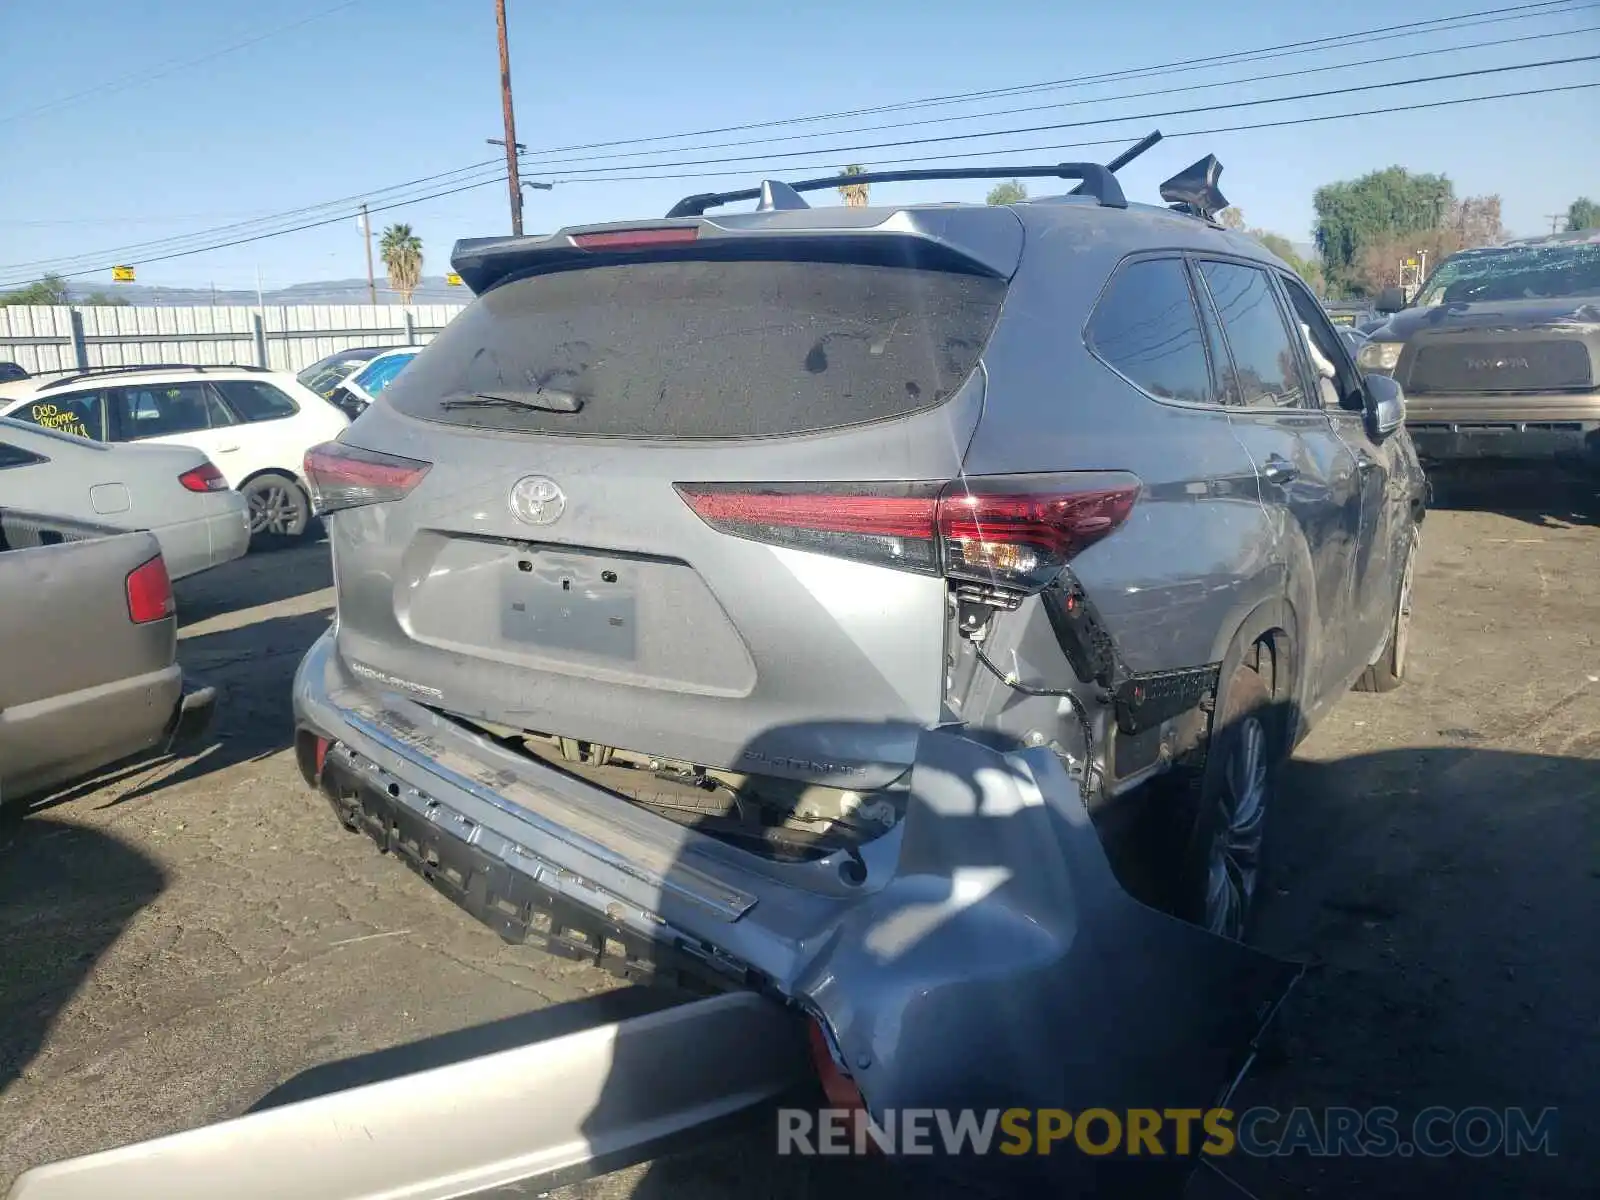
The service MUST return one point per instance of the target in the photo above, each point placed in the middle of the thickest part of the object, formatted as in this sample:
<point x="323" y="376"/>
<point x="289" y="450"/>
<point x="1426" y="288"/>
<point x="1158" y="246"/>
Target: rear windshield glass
<point x="678" y="349"/>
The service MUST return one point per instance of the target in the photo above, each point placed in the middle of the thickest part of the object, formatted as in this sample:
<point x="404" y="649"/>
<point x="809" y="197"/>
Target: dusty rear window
<point x="688" y="349"/>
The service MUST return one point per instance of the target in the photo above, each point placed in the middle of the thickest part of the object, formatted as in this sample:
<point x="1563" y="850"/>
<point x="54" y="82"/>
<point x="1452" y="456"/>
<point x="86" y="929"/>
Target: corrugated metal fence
<point x="283" y="337"/>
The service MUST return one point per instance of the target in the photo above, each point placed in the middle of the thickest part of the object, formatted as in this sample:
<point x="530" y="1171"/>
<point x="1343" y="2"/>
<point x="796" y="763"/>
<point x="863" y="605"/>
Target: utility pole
<point x="366" y="233"/>
<point x="1555" y="221"/>
<point x="511" y="122"/>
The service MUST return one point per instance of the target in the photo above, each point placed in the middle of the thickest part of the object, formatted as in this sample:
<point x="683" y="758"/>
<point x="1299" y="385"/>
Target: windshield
<point x="325" y="375"/>
<point x="1539" y="272"/>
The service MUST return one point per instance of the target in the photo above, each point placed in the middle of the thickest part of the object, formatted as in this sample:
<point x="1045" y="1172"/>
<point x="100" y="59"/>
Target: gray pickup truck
<point x="88" y="639"/>
<point x="1499" y="354"/>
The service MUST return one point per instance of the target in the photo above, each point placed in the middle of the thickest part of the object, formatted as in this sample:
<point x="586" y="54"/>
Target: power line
<point x="1293" y="121"/>
<point x="177" y="239"/>
<point x="126" y="81"/>
<point x="1145" y="116"/>
<point x="241" y="241"/>
<point x="1123" y="139"/>
<point x="1002" y="112"/>
<point x="461" y="175"/>
<point x="464" y="174"/>
<point x="1518" y="12"/>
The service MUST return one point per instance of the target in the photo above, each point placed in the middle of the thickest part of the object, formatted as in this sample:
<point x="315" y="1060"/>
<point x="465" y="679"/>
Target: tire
<point x="1220" y="865"/>
<point x="1388" y="672"/>
<point x="279" y="509"/>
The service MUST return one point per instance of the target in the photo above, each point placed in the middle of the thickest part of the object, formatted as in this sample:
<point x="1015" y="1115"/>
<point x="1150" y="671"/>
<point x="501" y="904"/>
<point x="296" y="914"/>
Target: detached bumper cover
<point x="990" y="960"/>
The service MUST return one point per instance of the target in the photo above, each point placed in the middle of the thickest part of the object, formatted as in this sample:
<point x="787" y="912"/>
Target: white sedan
<point x="55" y="486"/>
<point x="254" y="425"/>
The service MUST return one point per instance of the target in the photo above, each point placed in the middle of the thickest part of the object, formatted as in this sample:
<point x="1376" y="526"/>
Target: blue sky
<point x="385" y="91"/>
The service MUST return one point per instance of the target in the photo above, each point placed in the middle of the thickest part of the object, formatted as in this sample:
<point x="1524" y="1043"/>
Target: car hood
<point x="1567" y="311"/>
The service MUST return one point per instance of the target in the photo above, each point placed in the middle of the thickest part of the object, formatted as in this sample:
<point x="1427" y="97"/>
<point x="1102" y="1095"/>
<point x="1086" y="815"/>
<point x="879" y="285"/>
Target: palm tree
<point x="854" y="194"/>
<point x="402" y="254"/>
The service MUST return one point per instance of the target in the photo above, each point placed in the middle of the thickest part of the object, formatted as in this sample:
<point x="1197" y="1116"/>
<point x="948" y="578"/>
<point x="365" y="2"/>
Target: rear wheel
<point x="1222" y="863"/>
<point x="279" y="510"/>
<point x="1388" y="672"/>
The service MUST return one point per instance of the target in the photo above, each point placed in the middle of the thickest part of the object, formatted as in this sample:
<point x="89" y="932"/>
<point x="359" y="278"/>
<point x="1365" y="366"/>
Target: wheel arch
<point x="1271" y="631"/>
<point x="282" y="473"/>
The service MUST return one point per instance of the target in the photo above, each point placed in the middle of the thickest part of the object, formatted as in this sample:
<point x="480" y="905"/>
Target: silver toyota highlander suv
<point x="773" y="593"/>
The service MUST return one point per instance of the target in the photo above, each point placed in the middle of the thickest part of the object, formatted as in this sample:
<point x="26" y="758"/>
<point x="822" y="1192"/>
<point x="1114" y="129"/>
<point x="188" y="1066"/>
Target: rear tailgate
<point x="82" y="679"/>
<point x="548" y="572"/>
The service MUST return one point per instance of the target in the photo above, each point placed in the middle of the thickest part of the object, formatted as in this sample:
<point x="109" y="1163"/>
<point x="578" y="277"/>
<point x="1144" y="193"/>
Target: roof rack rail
<point x="1096" y="180"/>
<point x="134" y="368"/>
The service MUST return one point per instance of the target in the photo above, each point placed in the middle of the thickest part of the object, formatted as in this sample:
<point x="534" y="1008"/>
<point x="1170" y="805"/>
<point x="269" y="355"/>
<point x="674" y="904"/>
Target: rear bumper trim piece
<point x="540" y="805"/>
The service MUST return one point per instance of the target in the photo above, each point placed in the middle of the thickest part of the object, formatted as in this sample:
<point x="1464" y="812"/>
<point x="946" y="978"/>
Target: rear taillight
<point x="347" y="476"/>
<point x="150" y="592"/>
<point x="204" y="478"/>
<point x="1010" y="531"/>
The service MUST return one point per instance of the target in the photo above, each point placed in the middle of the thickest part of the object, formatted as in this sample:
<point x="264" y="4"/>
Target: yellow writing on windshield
<point x="63" y="420"/>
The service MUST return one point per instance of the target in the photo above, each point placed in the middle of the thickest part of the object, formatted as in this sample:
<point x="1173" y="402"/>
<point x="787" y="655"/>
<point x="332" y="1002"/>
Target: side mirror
<point x="1390" y="300"/>
<point x="1385" y="405"/>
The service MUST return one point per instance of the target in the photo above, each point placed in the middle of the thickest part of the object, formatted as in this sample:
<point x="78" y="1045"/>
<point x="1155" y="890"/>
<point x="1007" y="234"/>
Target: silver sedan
<point x="173" y="491"/>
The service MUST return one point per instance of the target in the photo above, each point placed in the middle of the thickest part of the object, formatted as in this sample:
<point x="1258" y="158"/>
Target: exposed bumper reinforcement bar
<point x="518" y="895"/>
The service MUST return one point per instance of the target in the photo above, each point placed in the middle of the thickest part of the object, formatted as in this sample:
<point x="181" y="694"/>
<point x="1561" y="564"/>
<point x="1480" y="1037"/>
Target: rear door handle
<point x="1279" y="470"/>
<point x="227" y="449"/>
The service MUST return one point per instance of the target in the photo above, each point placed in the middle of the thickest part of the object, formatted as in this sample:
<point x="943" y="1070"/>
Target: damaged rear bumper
<point x="988" y="960"/>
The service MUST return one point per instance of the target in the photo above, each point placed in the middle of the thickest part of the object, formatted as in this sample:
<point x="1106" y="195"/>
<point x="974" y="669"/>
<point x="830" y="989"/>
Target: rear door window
<point x="165" y="409"/>
<point x="1265" y="367"/>
<point x="1338" y="385"/>
<point x="82" y="414"/>
<point x="16" y="456"/>
<point x="694" y="349"/>
<point x="1146" y="328"/>
<point x="254" y="400"/>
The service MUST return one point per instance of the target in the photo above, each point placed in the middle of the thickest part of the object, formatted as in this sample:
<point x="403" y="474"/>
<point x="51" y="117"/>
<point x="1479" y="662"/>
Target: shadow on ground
<point x="263" y="576"/>
<point x="66" y="894"/>
<point x="1549" y="499"/>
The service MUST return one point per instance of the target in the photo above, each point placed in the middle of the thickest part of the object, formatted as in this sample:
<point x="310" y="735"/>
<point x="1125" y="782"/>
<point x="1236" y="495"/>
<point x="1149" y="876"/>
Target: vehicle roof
<point x="354" y="352"/>
<point x="1571" y="238"/>
<point x="66" y="382"/>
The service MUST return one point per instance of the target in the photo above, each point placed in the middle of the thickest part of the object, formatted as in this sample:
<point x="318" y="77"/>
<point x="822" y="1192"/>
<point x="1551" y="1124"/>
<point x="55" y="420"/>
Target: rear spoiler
<point x="976" y="240"/>
<point x="967" y="238"/>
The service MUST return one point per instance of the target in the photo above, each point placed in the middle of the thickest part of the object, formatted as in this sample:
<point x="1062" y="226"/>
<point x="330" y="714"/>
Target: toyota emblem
<point x="536" y="500"/>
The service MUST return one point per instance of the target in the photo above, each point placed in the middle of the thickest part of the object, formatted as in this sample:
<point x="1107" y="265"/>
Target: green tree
<point x="1308" y="269"/>
<point x="1231" y="217"/>
<point x="401" y="250"/>
<point x="1583" y="214"/>
<point x="1012" y="191"/>
<point x="106" y="299"/>
<point x="853" y="194"/>
<point x="1355" y="214"/>
<point x="52" y="289"/>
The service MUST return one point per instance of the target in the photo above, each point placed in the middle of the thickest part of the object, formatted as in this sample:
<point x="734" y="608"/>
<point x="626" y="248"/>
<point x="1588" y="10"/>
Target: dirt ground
<point x="178" y="940"/>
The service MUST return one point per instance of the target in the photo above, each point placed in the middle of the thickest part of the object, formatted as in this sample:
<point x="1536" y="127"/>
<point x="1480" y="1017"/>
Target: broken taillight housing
<point x="343" y="476"/>
<point x="1009" y="531"/>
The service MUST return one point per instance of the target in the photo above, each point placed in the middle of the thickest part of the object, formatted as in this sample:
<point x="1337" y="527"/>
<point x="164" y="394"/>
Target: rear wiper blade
<point x="543" y="400"/>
